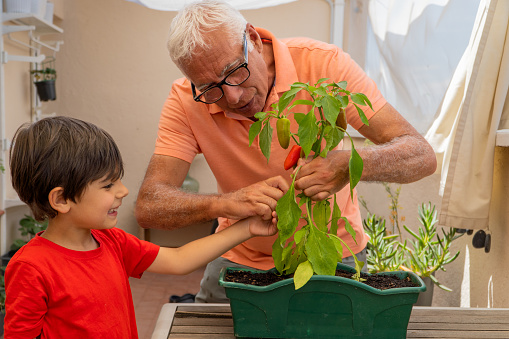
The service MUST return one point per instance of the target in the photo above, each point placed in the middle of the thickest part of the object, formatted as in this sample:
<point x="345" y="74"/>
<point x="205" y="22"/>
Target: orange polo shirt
<point x="187" y="128"/>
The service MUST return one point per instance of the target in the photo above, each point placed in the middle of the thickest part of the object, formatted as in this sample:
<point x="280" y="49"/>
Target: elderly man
<point x="232" y="71"/>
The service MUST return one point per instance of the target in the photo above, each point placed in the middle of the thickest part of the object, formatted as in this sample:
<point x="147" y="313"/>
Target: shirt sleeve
<point x="357" y="82"/>
<point x="175" y="136"/>
<point x="26" y="301"/>
<point x="138" y="254"/>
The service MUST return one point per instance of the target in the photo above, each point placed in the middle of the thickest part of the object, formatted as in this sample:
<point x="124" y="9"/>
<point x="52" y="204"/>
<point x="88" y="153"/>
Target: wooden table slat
<point x="215" y="321"/>
<point x="200" y="336"/>
<point x="459" y="326"/>
<point x="202" y="321"/>
<point x="455" y="334"/>
<point x="202" y="329"/>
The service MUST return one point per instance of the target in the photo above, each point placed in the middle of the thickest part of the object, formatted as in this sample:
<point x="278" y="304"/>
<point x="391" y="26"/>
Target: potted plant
<point x="44" y="81"/>
<point x="29" y="227"/>
<point x="424" y="254"/>
<point x="314" y="302"/>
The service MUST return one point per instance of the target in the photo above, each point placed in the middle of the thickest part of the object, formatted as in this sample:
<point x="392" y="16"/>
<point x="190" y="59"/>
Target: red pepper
<point x="293" y="157"/>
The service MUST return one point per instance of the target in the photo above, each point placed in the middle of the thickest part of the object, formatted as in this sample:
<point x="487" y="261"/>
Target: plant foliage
<point x="29" y="227"/>
<point x="425" y="253"/>
<point x="315" y="248"/>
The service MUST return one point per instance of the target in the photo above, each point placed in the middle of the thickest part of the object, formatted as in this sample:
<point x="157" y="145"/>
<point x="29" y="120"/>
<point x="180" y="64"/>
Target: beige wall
<point x="113" y="70"/>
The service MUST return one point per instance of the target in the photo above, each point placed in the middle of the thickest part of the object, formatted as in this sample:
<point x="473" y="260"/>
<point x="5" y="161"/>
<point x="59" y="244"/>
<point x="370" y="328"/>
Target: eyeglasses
<point x="235" y="78"/>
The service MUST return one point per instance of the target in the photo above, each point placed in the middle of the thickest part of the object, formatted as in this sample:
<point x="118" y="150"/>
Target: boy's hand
<point x="264" y="228"/>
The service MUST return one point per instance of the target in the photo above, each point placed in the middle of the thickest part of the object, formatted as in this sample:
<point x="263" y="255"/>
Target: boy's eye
<point x="109" y="186"/>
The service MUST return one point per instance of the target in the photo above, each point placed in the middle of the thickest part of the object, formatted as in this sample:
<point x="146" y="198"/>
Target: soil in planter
<point x="381" y="282"/>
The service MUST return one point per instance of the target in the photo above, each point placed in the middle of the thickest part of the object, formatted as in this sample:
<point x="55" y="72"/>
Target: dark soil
<point x="381" y="282"/>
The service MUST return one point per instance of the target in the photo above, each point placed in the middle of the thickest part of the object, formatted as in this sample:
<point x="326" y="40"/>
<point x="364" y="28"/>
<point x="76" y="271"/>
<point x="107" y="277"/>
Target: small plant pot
<point x="7" y="257"/>
<point x="426" y="298"/>
<point x="326" y="307"/>
<point x="18" y="6"/>
<point x="46" y="90"/>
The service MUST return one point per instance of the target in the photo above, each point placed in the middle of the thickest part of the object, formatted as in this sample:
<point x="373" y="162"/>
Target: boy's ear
<point x="57" y="201"/>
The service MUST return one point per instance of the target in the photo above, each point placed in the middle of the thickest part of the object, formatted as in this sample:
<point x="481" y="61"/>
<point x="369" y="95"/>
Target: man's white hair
<point x="189" y="28"/>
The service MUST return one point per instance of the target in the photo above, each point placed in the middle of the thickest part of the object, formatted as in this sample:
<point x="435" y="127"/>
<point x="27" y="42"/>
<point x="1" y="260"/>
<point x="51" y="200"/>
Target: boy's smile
<point x="98" y="206"/>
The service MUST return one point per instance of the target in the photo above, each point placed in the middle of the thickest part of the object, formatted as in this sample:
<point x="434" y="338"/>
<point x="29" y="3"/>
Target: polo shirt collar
<point x="286" y="74"/>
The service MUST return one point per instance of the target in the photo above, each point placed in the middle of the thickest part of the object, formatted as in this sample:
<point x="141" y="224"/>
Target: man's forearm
<point x="403" y="160"/>
<point x="163" y="208"/>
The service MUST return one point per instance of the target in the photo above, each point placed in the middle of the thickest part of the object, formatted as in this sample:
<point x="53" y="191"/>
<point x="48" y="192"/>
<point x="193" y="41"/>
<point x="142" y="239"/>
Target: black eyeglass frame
<point x="197" y="98"/>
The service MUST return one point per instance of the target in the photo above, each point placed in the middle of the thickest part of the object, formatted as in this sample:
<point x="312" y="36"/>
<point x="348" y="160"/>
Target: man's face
<point x="208" y="68"/>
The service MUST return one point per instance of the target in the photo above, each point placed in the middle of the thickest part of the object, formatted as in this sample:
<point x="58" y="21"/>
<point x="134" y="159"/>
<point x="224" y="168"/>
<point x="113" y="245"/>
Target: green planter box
<point x="326" y="307"/>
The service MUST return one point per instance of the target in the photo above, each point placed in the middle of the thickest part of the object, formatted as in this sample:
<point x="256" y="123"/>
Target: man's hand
<point x="257" y="199"/>
<point x="319" y="178"/>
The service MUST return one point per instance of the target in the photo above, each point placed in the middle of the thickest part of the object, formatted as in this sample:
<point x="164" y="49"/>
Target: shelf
<point x="502" y="138"/>
<point x="27" y="19"/>
<point x="13" y="203"/>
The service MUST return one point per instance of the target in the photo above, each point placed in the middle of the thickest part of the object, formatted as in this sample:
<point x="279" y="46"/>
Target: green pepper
<point x="283" y="132"/>
<point x="341" y="119"/>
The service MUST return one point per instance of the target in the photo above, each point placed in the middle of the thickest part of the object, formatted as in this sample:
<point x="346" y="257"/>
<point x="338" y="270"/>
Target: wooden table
<point x="215" y="321"/>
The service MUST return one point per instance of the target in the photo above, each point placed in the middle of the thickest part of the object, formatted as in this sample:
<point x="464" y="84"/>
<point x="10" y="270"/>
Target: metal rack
<point x="35" y="27"/>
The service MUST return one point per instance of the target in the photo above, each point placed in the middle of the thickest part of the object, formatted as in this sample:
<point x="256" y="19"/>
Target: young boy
<point x="71" y="281"/>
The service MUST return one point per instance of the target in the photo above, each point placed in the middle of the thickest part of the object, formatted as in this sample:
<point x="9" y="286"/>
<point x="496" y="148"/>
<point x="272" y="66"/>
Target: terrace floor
<point x="153" y="290"/>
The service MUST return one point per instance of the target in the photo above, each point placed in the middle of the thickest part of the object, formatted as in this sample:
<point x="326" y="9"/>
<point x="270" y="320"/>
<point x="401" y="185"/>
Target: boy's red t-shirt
<point x="56" y="292"/>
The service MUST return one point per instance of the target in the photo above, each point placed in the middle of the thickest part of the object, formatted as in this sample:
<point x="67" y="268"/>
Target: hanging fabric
<point x="175" y="5"/>
<point x="474" y="107"/>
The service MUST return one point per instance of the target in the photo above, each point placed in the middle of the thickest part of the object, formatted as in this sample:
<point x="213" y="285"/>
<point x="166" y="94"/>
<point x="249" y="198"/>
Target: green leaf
<point x="331" y="108"/>
<point x="321" y="91"/>
<point x="286" y="98"/>
<point x="303" y="273"/>
<point x="299" y="235"/>
<point x="289" y="213"/>
<point x="277" y="254"/>
<point x="336" y="215"/>
<point x="355" y="166"/>
<point x="361" y="99"/>
<point x="262" y="115"/>
<point x="321" y="80"/>
<point x="307" y="132"/>
<point x="254" y="130"/>
<point x="302" y="102"/>
<point x="338" y="246"/>
<point x="343" y="100"/>
<point x="299" y="116"/>
<point x="321" y="252"/>
<point x="266" y="139"/>
<point x="349" y="228"/>
<point x="333" y="137"/>
<point x="341" y="84"/>
<point x="363" y="117"/>
<point x="321" y="214"/>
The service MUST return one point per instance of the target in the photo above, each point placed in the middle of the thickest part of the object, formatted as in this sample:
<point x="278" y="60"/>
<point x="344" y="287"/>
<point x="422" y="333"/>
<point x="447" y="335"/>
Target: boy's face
<point x="97" y="208"/>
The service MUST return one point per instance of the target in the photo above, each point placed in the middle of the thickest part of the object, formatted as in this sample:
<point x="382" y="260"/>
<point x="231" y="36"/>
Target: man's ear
<point x="253" y="35"/>
<point x="57" y="201"/>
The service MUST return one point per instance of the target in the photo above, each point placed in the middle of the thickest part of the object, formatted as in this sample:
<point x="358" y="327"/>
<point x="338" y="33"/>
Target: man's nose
<point x="232" y="94"/>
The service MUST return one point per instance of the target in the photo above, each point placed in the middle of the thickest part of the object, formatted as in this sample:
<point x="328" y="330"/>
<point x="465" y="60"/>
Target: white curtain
<point x="475" y="106"/>
<point x="175" y="5"/>
<point x="413" y="48"/>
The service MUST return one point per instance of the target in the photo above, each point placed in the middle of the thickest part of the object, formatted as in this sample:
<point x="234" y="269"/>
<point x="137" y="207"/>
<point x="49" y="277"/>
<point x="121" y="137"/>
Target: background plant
<point x="315" y="248"/>
<point x="29" y="227"/>
<point x="44" y="74"/>
<point x="425" y="253"/>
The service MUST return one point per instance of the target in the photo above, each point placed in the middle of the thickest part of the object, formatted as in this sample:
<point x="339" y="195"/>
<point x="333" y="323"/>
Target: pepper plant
<point x="315" y="248"/>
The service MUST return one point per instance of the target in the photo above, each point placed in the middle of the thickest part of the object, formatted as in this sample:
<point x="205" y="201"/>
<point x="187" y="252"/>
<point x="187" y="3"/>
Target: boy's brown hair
<point x="60" y="152"/>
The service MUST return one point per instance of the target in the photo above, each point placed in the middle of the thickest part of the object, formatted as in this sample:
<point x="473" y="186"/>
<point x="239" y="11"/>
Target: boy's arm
<point x="191" y="256"/>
